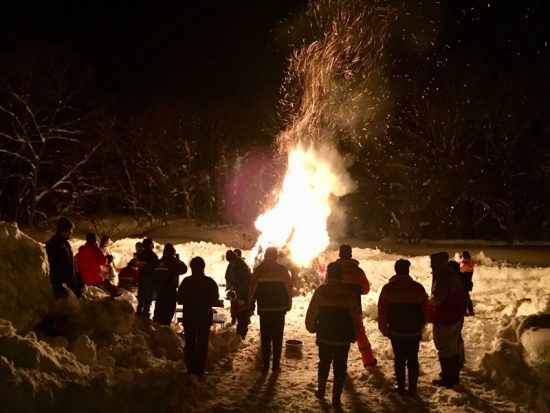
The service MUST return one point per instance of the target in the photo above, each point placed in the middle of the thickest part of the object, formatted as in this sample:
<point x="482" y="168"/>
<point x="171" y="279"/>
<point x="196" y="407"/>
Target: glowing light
<point x="298" y="221"/>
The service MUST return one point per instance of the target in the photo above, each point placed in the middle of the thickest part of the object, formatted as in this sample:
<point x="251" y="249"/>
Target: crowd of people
<point x="334" y="313"/>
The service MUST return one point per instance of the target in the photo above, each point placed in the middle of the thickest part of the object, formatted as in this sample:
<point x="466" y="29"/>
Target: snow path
<point x="240" y="387"/>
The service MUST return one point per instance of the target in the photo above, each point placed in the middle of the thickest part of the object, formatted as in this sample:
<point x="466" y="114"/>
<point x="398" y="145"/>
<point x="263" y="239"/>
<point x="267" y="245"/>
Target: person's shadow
<point x="390" y="401"/>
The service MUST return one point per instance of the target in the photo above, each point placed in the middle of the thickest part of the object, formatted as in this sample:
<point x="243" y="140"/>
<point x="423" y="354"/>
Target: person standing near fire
<point x="237" y="278"/>
<point x="356" y="279"/>
<point x="60" y="259"/>
<point x="271" y="287"/>
<point x="467" y="271"/>
<point x="147" y="262"/>
<point x="402" y="314"/>
<point x="331" y="315"/>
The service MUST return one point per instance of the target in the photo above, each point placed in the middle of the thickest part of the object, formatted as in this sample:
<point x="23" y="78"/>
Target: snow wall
<point x="520" y="361"/>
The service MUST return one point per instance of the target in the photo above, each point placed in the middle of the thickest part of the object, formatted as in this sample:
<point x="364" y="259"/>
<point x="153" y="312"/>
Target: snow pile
<point x="24" y="279"/>
<point x="88" y="355"/>
<point x="520" y="360"/>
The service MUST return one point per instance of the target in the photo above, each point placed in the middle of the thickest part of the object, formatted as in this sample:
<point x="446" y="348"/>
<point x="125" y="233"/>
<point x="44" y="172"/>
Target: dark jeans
<point x="338" y="356"/>
<point x="243" y="320"/>
<point x="165" y="308"/>
<point x="196" y="345"/>
<point x="469" y="304"/>
<point x="405" y="351"/>
<point x="272" y="324"/>
<point x="145" y="297"/>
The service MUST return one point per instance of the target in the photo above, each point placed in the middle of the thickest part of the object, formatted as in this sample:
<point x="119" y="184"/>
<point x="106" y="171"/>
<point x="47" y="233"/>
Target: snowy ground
<point x="128" y="365"/>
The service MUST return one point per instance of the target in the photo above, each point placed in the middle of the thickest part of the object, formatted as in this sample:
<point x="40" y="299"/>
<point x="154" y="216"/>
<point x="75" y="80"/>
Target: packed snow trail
<point x="237" y="384"/>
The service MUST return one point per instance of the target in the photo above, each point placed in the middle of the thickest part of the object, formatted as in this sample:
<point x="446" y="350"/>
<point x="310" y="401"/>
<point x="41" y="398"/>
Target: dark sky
<point x="143" y="51"/>
<point x="207" y="53"/>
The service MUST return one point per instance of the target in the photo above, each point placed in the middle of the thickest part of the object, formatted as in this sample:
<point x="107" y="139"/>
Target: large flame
<point x="298" y="221"/>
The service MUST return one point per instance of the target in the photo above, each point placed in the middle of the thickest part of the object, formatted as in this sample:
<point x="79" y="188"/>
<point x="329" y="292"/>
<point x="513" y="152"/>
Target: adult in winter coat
<point x="238" y="280"/>
<point x="455" y="266"/>
<point x="147" y="262"/>
<point x="467" y="270"/>
<point x="271" y="287"/>
<point x="402" y="313"/>
<point x="354" y="277"/>
<point x="197" y="293"/>
<point x="60" y="258"/>
<point x="90" y="261"/>
<point x="447" y="302"/>
<point x="166" y="280"/>
<point x="332" y="315"/>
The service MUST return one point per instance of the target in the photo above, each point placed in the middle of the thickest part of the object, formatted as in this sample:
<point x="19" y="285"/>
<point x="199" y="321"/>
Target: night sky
<point x="205" y="52"/>
<point x="141" y="52"/>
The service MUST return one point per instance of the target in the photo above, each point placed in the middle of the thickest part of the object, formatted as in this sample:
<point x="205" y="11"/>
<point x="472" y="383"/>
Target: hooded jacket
<point x="448" y="297"/>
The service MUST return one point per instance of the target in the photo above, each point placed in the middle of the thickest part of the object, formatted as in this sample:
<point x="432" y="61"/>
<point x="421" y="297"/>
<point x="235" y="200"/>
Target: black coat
<point x="147" y="261"/>
<point x="241" y="278"/>
<point x="166" y="277"/>
<point x="60" y="258"/>
<point x="198" y="293"/>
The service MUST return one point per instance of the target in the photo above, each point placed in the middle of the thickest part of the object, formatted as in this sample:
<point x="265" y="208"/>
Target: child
<point x="128" y="276"/>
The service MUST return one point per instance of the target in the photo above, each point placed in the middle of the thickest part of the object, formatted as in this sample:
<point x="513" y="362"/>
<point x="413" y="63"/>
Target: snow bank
<point x="89" y="355"/>
<point x="520" y="360"/>
<point x="24" y="279"/>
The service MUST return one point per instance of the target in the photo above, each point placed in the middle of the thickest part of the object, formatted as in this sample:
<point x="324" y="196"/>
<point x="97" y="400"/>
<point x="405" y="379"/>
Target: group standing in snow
<point x="334" y="313"/>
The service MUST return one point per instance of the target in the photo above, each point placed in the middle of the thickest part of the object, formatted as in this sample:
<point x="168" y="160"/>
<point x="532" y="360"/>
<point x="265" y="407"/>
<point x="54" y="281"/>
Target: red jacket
<point x="354" y="277"/>
<point x="128" y="276"/>
<point x="90" y="261"/>
<point x="467" y="266"/>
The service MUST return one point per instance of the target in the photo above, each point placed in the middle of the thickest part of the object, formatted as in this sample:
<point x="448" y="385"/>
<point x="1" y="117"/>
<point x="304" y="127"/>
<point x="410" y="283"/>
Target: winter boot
<point x="321" y="387"/>
<point x="276" y="363"/>
<point x="446" y="379"/>
<point x="400" y="379"/>
<point x="337" y="393"/>
<point x="454" y="369"/>
<point x="413" y="381"/>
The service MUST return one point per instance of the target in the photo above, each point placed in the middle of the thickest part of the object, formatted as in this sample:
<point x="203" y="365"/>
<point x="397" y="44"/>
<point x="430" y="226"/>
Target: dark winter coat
<point x="271" y="287"/>
<point x="241" y="278"/>
<point x="197" y="294"/>
<point x="60" y="259"/>
<point x="90" y="261"/>
<point x="166" y="277"/>
<point x="448" y="297"/>
<point x="147" y="261"/>
<point x="332" y="314"/>
<point x="402" y="307"/>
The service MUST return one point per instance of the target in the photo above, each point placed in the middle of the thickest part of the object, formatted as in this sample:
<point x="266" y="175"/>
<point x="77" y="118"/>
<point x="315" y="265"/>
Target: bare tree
<point x="44" y="145"/>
